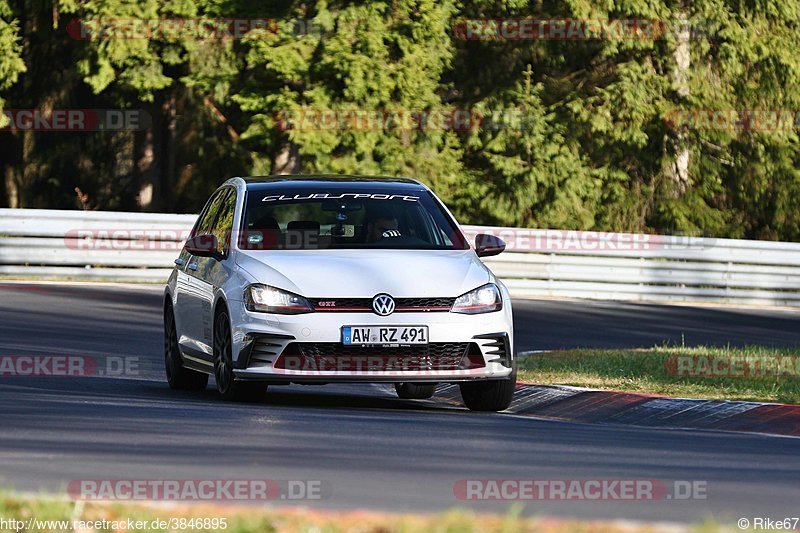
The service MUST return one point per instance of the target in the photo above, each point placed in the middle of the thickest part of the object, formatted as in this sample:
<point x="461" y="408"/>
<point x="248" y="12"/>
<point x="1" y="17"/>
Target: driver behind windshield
<point x="381" y="226"/>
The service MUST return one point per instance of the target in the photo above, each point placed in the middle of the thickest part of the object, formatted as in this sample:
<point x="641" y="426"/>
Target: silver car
<point x="323" y="279"/>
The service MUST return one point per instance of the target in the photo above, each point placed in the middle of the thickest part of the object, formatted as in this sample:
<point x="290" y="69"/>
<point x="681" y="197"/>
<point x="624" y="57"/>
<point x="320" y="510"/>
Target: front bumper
<point x="307" y="348"/>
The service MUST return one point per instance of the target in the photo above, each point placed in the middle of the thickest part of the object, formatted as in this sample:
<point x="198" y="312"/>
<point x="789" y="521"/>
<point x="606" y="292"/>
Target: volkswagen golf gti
<point x="326" y="279"/>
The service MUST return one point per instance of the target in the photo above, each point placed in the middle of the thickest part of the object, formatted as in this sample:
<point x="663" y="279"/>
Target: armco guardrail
<point x="538" y="263"/>
<point x="91" y="245"/>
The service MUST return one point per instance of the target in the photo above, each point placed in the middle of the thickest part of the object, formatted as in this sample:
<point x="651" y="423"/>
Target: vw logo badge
<point x="383" y="305"/>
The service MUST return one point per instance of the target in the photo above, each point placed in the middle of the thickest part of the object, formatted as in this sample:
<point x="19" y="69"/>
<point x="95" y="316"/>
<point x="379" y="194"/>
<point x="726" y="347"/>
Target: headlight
<point x="266" y="299"/>
<point x="484" y="299"/>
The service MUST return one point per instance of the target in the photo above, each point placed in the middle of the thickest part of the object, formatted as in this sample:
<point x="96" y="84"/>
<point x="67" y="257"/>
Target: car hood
<point x="365" y="273"/>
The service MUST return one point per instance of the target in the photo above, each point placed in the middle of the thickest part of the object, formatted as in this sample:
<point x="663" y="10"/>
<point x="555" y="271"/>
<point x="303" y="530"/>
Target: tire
<point x="228" y="387"/>
<point x="415" y="391"/>
<point x="178" y="376"/>
<point x="489" y="395"/>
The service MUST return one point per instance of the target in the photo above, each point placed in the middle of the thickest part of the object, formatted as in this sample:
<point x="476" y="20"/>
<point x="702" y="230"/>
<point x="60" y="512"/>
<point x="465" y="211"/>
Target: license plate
<point x="384" y="335"/>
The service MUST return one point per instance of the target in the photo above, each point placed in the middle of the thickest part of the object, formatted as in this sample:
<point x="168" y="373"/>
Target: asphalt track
<point x="372" y="450"/>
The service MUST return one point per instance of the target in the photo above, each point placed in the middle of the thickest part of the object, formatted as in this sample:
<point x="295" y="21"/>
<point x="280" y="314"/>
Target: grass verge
<point x="259" y="520"/>
<point x="752" y="374"/>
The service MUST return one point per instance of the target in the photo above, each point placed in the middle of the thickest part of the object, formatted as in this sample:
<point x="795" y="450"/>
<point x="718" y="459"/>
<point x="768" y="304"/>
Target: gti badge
<point x="383" y="305"/>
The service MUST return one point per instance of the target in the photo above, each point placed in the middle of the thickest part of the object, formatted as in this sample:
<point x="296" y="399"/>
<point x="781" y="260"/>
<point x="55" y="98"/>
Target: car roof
<point x="334" y="181"/>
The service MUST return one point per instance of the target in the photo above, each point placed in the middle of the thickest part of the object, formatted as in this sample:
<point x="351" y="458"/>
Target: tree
<point x="380" y="59"/>
<point x="622" y="131"/>
<point x="11" y="66"/>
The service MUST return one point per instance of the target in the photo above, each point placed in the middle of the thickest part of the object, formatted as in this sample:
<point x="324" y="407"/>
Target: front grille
<point x="404" y="305"/>
<point x="332" y="357"/>
<point x="425" y="302"/>
<point x="436" y="349"/>
<point x="341" y="304"/>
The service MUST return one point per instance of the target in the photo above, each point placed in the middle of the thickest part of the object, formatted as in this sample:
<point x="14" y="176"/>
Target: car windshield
<point x="343" y="219"/>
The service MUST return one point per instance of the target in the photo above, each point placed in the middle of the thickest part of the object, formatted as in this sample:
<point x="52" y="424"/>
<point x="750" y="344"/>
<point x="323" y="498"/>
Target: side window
<point x="206" y="222"/>
<point x="223" y="226"/>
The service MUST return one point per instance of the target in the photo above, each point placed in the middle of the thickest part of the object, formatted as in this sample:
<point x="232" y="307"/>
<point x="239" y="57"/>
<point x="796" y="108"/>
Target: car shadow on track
<point x="316" y="398"/>
<point x="96" y="389"/>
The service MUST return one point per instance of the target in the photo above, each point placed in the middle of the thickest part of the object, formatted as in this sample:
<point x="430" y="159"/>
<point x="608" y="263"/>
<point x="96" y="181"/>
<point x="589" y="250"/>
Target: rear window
<point x="324" y="219"/>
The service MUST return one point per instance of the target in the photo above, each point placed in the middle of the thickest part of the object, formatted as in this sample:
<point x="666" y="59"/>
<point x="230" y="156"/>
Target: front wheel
<point x="415" y="391"/>
<point x="178" y="376"/>
<point x="227" y="386"/>
<point x="489" y="395"/>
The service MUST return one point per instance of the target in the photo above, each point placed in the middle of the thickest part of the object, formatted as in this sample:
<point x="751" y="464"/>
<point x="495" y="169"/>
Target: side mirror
<point x="203" y="246"/>
<point x="487" y="245"/>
